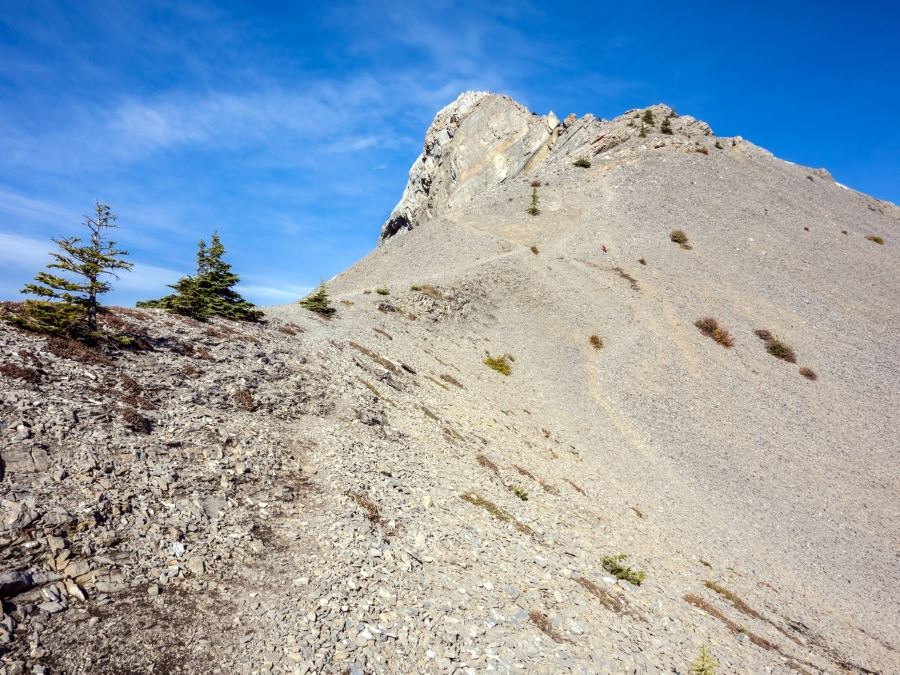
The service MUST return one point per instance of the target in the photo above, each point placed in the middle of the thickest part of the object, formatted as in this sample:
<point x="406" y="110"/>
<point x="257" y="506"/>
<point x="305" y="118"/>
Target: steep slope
<point x="385" y="502"/>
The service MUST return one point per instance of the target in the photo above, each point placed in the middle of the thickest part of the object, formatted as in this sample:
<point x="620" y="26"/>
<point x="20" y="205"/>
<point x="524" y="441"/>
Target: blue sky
<point x="291" y="130"/>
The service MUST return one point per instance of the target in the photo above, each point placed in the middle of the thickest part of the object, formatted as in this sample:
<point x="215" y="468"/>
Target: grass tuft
<point x="583" y="163"/>
<point x="809" y="373"/>
<point x="596" y="342"/>
<point x="495" y="511"/>
<point x="780" y="350"/>
<point x="383" y="291"/>
<point x="875" y="238"/>
<point x="613" y="565"/>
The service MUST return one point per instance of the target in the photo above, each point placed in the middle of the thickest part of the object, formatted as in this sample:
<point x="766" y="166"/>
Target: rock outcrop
<point x="477" y="141"/>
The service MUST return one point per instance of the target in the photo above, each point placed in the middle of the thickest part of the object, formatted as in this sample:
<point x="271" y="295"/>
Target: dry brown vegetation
<point x="487" y="464"/>
<point x="875" y="238"/>
<point x="596" y="342"/>
<point x="680" y="238"/>
<point x="702" y="604"/>
<point x="534" y="249"/>
<point x="540" y="620"/>
<point x="498" y="513"/>
<point x="67" y="348"/>
<point x="452" y="380"/>
<point x="711" y="329"/>
<point x="135" y="421"/>
<point x="607" y="598"/>
<point x="735" y="601"/>
<point x="578" y="488"/>
<point x="17" y="372"/>
<point x="244" y="400"/>
<point x="535" y="183"/>
<point x="809" y="373"/>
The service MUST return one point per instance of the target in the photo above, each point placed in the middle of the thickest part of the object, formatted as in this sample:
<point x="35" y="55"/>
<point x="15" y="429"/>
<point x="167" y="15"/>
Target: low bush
<point x="666" y="127"/>
<point x="875" y="238"/>
<point x="809" y="373"/>
<point x="583" y="163"/>
<point x="780" y="350"/>
<point x="17" y="372"/>
<point x="680" y="238"/>
<point x="535" y="250"/>
<point x="711" y="329"/>
<point x="596" y="341"/>
<point x="499" y="363"/>
<point x="383" y="291"/>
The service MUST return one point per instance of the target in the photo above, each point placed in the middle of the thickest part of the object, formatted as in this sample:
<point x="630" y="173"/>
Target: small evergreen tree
<point x="643" y="133"/>
<point x="648" y="117"/>
<point x="69" y="306"/>
<point x="210" y="291"/>
<point x="533" y="209"/>
<point x="704" y="664"/>
<point x="666" y="126"/>
<point x="318" y="302"/>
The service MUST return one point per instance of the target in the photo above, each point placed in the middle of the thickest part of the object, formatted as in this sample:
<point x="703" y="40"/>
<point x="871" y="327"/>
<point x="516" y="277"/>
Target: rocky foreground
<point x="365" y="495"/>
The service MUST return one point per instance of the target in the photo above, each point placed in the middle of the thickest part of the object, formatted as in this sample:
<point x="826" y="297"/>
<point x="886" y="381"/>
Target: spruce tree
<point x="648" y="117"/>
<point x="666" y="126"/>
<point x="209" y="292"/>
<point x="318" y="302"/>
<point x="69" y="305"/>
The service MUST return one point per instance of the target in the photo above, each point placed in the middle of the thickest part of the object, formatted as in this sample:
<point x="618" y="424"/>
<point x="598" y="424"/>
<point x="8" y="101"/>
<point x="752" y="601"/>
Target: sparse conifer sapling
<point x="69" y="304"/>
<point x="533" y="210"/>
<point x="666" y="127"/>
<point x="318" y="302"/>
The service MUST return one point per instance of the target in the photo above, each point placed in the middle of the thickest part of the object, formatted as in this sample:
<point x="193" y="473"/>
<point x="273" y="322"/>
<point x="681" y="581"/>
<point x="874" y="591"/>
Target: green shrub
<point x="648" y="117"/>
<point x="780" y="350"/>
<point x="383" y="291"/>
<point x="318" y="302"/>
<point x="499" y="363"/>
<point x="583" y="163"/>
<point x="613" y="565"/>
<point x="520" y="493"/>
<point x="875" y="238"/>
<point x="666" y="127"/>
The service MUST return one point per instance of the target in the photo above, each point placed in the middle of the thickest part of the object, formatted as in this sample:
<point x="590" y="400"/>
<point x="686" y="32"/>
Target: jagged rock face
<point x="477" y="141"/>
<point x="482" y="140"/>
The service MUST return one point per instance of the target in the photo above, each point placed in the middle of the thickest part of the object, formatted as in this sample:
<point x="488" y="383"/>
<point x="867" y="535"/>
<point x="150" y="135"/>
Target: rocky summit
<point x="605" y="395"/>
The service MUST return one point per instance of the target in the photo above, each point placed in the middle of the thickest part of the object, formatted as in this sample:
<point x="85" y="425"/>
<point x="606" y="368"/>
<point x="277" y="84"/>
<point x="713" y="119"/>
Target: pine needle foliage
<point x="666" y="127"/>
<point x="210" y="291"/>
<point x="704" y="664"/>
<point x="318" y="302"/>
<point x="68" y="303"/>
<point x="648" y="117"/>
